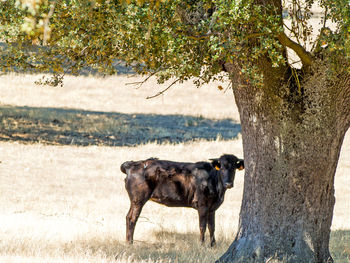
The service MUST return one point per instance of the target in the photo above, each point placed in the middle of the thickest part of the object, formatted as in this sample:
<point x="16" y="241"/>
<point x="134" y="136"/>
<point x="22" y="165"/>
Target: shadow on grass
<point x="185" y="247"/>
<point x="339" y="246"/>
<point x="169" y="247"/>
<point x="77" y="127"/>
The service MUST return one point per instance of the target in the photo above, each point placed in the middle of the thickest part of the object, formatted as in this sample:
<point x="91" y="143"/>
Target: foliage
<point x="181" y="39"/>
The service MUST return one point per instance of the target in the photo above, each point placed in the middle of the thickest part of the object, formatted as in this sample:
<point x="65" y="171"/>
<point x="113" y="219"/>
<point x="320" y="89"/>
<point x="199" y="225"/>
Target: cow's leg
<point x="131" y="219"/>
<point x="203" y="218"/>
<point x="211" y="226"/>
<point x="139" y="193"/>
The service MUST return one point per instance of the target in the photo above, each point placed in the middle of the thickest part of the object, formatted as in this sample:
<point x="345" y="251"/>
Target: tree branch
<point x="140" y="83"/>
<point x="305" y="56"/>
<point x="46" y="23"/>
<point x="325" y="16"/>
<point x="292" y="32"/>
<point x="163" y="91"/>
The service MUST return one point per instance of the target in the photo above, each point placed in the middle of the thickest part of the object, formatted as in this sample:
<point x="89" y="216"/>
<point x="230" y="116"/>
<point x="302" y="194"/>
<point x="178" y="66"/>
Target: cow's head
<point x="227" y="165"/>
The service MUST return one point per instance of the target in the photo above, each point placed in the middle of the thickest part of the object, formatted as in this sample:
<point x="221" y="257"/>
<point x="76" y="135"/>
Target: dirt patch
<point x="76" y="127"/>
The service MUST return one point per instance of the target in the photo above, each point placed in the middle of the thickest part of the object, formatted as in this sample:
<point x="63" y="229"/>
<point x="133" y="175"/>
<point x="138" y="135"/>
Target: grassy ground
<point x="109" y="114"/>
<point x="68" y="203"/>
<point x="77" y="127"/>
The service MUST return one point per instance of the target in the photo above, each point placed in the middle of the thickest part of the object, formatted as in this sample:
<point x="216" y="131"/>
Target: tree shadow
<point x="180" y="247"/>
<point x="339" y="246"/>
<point x="78" y="127"/>
<point x="168" y="247"/>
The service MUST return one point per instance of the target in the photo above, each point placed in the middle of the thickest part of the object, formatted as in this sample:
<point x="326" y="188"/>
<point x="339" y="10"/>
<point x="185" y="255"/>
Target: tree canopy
<point x="290" y="74"/>
<point x="181" y="39"/>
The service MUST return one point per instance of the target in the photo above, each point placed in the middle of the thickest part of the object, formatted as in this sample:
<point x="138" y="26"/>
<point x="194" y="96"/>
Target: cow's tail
<point x="125" y="166"/>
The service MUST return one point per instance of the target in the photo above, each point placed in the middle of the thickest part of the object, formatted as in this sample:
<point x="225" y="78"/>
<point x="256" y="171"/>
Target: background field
<point x="61" y="202"/>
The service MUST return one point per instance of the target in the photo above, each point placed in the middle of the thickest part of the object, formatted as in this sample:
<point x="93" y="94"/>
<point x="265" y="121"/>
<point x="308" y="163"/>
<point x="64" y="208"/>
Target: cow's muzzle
<point x="228" y="185"/>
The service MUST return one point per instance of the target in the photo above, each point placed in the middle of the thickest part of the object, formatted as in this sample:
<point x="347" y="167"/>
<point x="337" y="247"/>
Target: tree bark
<point x="291" y="139"/>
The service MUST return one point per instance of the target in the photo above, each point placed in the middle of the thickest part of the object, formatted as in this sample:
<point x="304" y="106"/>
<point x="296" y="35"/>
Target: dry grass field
<point x="67" y="203"/>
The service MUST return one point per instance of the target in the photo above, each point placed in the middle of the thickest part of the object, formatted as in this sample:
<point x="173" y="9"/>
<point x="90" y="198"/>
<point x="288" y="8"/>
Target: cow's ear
<point x="240" y="164"/>
<point x="215" y="163"/>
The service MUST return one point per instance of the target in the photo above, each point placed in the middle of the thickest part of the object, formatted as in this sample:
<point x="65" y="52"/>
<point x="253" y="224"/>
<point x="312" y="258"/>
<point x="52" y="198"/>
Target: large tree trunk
<point x="291" y="140"/>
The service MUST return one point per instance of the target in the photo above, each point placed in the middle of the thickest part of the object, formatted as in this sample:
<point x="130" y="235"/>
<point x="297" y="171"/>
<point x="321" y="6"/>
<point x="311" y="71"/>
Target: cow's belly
<point x="170" y="202"/>
<point x="170" y="195"/>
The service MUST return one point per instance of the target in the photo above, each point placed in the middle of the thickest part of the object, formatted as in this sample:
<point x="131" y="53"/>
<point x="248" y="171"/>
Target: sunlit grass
<point x="113" y="95"/>
<point x="68" y="204"/>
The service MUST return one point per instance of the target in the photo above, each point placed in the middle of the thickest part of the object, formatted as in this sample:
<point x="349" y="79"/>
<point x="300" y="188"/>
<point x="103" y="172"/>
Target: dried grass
<point x="68" y="203"/>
